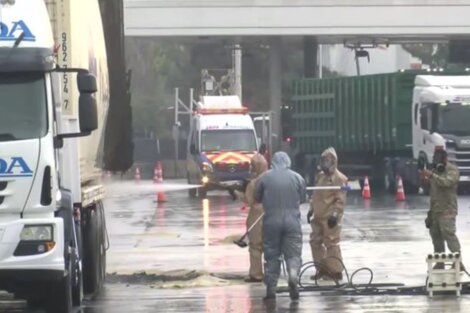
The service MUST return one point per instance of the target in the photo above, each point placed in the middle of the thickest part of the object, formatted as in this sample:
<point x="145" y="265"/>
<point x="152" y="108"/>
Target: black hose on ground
<point x="349" y="284"/>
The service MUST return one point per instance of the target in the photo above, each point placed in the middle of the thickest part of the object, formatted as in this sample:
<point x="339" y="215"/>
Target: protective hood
<point x="281" y="161"/>
<point x="330" y="162"/>
<point x="259" y="165"/>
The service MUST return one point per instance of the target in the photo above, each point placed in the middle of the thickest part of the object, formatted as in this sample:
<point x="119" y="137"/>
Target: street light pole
<point x="176" y="131"/>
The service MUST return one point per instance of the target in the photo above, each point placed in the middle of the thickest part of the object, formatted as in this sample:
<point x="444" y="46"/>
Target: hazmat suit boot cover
<point x="281" y="191"/>
<point x="325" y="204"/>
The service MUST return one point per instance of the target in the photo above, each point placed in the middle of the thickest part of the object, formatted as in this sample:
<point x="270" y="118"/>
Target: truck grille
<point x="460" y="157"/>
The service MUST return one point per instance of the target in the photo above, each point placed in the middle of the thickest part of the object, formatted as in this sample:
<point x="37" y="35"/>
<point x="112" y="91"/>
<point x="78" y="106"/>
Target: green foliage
<point x="158" y="66"/>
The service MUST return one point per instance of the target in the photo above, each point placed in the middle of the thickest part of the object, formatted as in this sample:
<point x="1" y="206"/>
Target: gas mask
<point x="327" y="164"/>
<point x="439" y="161"/>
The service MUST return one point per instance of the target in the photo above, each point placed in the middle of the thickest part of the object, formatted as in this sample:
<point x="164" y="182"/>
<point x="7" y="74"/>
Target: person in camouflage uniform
<point x="443" y="181"/>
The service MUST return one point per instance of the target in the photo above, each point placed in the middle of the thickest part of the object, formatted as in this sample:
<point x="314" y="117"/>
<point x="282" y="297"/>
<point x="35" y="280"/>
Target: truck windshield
<point x="228" y="140"/>
<point x="23" y="106"/>
<point x="454" y="119"/>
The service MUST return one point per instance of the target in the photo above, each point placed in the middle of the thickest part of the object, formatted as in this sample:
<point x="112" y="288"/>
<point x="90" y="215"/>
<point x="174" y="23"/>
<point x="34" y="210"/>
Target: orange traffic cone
<point x="156" y="176"/>
<point x="137" y="175"/>
<point x="400" y="196"/>
<point x="366" y="194"/>
<point x="159" y="179"/>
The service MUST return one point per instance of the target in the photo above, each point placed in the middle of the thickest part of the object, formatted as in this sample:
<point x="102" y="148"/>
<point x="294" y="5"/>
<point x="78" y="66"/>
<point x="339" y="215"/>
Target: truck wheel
<point x="202" y="192"/>
<point x="193" y="191"/>
<point x="410" y="188"/>
<point x="37" y="301"/>
<point x="61" y="294"/>
<point x="91" y="251"/>
<point x="102" y="245"/>
<point x="77" y="280"/>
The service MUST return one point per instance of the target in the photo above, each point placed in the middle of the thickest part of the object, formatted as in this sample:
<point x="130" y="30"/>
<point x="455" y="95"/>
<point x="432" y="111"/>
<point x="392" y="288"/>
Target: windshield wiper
<point x="7" y="137"/>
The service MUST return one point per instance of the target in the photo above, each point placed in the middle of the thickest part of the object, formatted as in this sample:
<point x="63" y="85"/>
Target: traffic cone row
<point x="158" y="179"/>
<point x="399" y="196"/>
<point x="366" y="194"/>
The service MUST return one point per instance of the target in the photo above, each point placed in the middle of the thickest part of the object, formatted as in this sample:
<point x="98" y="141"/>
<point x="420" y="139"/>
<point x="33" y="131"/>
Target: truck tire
<point x="202" y="192"/>
<point x="102" y="246"/>
<point x="410" y="188"/>
<point x="192" y="192"/>
<point x="60" y="298"/>
<point x="77" y="280"/>
<point x="91" y="251"/>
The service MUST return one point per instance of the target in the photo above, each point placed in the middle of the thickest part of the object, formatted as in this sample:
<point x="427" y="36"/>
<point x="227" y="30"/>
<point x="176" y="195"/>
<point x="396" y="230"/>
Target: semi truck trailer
<point x="383" y="126"/>
<point x="54" y="86"/>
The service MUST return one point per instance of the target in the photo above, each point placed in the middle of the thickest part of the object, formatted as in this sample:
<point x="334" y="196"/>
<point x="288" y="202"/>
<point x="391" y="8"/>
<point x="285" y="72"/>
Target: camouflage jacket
<point x="444" y="191"/>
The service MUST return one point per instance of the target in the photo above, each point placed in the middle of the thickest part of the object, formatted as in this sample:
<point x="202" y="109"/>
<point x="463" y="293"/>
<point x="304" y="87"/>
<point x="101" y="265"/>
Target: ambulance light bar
<point x="242" y="110"/>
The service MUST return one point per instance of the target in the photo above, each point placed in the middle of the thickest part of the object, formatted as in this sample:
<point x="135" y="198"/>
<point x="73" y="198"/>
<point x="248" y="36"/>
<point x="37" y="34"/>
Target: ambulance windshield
<point x="228" y="140"/>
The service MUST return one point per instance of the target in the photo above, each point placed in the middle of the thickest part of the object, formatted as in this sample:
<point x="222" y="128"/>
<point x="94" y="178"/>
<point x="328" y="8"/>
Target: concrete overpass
<point x="329" y="20"/>
<point x="315" y="21"/>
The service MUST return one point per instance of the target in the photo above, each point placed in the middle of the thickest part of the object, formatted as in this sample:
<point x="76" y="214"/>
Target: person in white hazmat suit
<point x="281" y="191"/>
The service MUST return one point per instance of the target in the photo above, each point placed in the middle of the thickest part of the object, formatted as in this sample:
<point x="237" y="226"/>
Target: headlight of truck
<point x="206" y="167"/>
<point x="37" y="233"/>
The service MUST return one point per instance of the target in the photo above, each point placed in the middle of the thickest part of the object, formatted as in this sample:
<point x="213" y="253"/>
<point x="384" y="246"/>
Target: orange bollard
<point x="400" y="195"/>
<point x="156" y="175"/>
<point x="137" y="176"/>
<point x="158" y="172"/>
<point x="366" y="194"/>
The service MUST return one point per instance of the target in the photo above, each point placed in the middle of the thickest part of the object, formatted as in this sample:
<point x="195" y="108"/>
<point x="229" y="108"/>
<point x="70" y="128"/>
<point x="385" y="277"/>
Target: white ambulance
<point x="221" y="143"/>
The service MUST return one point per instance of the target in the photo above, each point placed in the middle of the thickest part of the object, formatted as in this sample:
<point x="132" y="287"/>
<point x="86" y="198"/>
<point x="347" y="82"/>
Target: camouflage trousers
<point x="442" y="231"/>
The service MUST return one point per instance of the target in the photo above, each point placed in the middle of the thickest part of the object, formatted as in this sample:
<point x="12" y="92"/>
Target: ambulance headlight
<point x="36" y="233"/>
<point x="206" y="167"/>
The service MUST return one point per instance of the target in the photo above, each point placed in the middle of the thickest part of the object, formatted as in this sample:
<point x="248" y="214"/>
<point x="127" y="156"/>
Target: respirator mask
<point x="439" y="161"/>
<point x="327" y="164"/>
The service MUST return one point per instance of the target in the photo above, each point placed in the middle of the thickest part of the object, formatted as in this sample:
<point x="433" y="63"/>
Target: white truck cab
<point x="51" y="215"/>
<point x="441" y="115"/>
<point x="222" y="141"/>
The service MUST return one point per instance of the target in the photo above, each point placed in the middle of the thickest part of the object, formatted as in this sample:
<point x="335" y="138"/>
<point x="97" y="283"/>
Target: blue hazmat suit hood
<point x="280" y="161"/>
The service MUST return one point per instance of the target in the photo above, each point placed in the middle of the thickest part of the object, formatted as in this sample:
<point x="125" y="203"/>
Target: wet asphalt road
<point x="194" y="235"/>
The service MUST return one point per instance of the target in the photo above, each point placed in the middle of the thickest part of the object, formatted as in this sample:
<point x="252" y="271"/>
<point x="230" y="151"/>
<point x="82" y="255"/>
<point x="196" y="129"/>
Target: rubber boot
<point x="293" y="291"/>
<point x="270" y="294"/>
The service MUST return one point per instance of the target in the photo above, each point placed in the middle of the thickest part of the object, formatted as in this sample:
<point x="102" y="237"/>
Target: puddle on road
<point x="175" y="279"/>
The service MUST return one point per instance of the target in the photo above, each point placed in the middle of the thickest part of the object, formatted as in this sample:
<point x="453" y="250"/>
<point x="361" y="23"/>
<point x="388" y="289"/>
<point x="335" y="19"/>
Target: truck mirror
<point x="86" y="83"/>
<point x="192" y="149"/>
<point x="88" y="113"/>
<point x="434" y="117"/>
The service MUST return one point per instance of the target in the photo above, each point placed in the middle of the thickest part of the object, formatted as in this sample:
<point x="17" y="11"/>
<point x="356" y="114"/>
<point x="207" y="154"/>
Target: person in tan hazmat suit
<point x="327" y="208"/>
<point x="259" y="165"/>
